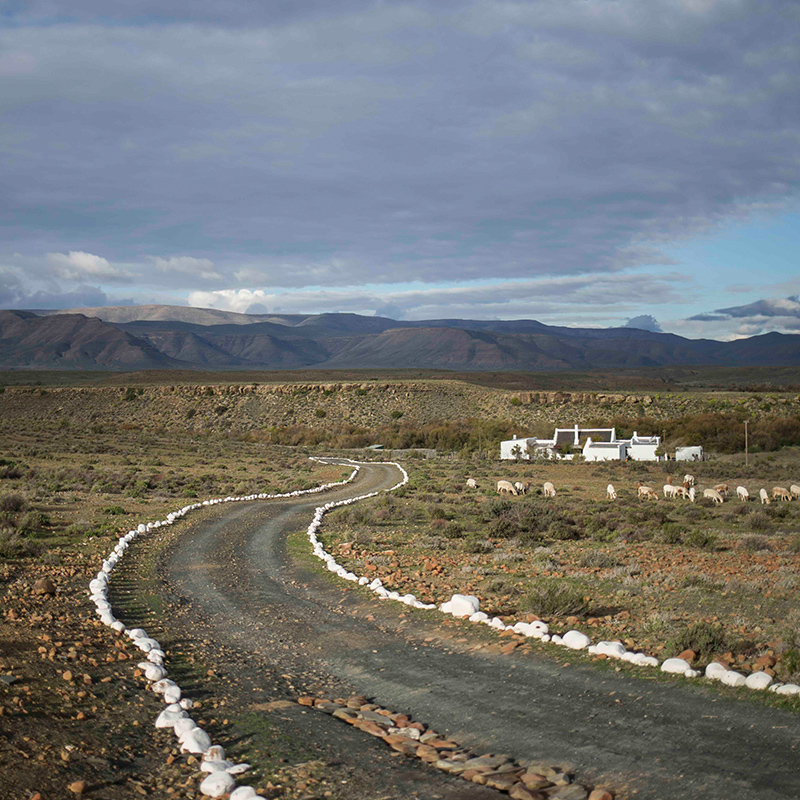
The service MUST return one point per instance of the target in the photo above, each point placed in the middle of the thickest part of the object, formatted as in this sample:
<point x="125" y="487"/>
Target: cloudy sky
<point x="580" y="162"/>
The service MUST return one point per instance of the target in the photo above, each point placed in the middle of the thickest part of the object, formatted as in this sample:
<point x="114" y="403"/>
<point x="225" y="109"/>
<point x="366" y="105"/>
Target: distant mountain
<point x="72" y="341"/>
<point x="158" y="337"/>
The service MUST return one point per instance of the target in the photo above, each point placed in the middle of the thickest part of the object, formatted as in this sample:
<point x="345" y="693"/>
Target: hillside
<point x="170" y="337"/>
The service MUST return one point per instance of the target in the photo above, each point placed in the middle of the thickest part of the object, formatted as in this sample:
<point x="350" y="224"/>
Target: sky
<point x="581" y="162"/>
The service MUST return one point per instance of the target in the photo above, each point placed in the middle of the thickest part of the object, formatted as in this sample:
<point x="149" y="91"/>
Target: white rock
<point x="196" y="741"/>
<point x="788" y="688"/>
<point x="154" y="672"/>
<point x="733" y="678"/>
<point x="161" y="686"/>
<point x="675" y="665"/>
<point x="691" y="673"/>
<point x="216" y="766"/>
<point x="243" y="793"/>
<point x="217" y="784"/>
<point x="612" y="649"/>
<point x="478" y="616"/>
<point x="758" y="680"/>
<point x="576" y="640"/>
<point x="238" y="769"/>
<point x="463" y="605"/>
<point x="214" y="753"/>
<point x="540" y="627"/>
<point x="715" y="671"/>
<point x="172" y="694"/>
<point x="183" y="726"/>
<point x="168" y="718"/>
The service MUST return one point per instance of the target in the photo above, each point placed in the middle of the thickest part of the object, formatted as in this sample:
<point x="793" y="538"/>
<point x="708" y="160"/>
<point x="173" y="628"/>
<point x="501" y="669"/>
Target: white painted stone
<point x="788" y="688"/>
<point x="576" y="640"/>
<point x="715" y="671"/>
<point x="692" y="673"/>
<point x="217" y="784"/>
<point x="243" y="793"/>
<point x="733" y="678"/>
<point x="612" y="649"/>
<point x="196" y="741"/>
<point x="675" y="665"/>
<point x="758" y="680"/>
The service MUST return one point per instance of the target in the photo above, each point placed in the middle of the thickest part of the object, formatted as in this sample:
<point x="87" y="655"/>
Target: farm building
<point x="596" y="444"/>
<point x="689" y="454"/>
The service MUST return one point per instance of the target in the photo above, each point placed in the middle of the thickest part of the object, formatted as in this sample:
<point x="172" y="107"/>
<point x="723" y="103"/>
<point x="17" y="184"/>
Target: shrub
<point x="703" y="540"/>
<point x="598" y="559"/>
<point x="320" y="413"/>
<point x="12" y="503"/>
<point x="555" y="597"/>
<point x="453" y="530"/>
<point x="671" y="533"/>
<point x="115" y="511"/>
<point x="33" y="521"/>
<point x="754" y="543"/>
<point x="478" y="546"/>
<point x="704" y="638"/>
<point x="759" y="521"/>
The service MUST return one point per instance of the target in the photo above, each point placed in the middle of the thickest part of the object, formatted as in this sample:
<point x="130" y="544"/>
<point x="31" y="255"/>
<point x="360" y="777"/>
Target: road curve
<point x="654" y="740"/>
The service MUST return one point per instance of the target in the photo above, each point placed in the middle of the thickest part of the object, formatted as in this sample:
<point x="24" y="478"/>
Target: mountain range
<point x="179" y="337"/>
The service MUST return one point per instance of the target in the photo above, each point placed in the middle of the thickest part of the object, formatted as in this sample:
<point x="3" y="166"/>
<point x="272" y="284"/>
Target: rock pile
<point x="528" y="781"/>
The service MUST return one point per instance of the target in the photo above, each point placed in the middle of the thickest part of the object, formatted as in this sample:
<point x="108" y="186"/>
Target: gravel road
<point x="279" y="619"/>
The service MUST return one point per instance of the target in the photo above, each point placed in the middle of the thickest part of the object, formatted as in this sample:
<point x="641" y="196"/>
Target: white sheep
<point x="722" y="488"/>
<point x="670" y="490"/>
<point x="688" y="481"/>
<point x="548" y="489"/>
<point x="472" y="483"/>
<point x="681" y="491"/>
<point x="795" y="490"/>
<point x="611" y="492"/>
<point x="646" y="492"/>
<point x="779" y="493"/>
<point x="713" y="494"/>
<point x="506" y="487"/>
<point x="765" y="501"/>
<point x="692" y="493"/>
<point x="521" y="487"/>
<point x="742" y="493"/>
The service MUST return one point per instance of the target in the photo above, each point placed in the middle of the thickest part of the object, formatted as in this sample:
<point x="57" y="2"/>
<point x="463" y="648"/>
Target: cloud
<point x="338" y="144"/>
<point x="780" y="314"/>
<point x="645" y="322"/>
<point x="566" y="300"/>
<point x="202" y="268"/>
<point x="77" y="265"/>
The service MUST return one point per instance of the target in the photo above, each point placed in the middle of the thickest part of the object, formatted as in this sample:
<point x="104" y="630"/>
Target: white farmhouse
<point x="689" y="453"/>
<point x="598" y="444"/>
<point x="605" y="451"/>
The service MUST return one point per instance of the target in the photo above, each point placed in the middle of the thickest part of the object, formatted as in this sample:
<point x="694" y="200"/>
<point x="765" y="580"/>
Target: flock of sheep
<point x="687" y="491"/>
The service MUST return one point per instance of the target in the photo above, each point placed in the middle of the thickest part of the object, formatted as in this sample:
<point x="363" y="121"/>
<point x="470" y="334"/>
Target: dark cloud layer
<point x="211" y="146"/>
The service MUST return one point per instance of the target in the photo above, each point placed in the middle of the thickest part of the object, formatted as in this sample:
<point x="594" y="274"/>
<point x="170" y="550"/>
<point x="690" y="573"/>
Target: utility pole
<point x="746" y="449"/>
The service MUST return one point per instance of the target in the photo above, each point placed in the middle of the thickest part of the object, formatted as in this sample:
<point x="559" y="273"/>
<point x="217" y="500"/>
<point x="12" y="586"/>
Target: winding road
<point x="231" y="579"/>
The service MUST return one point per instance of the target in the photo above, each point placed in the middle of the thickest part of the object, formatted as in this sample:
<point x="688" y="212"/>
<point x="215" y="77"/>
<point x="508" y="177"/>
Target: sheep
<point x="521" y="487"/>
<point x="742" y="493"/>
<point x="681" y="491"/>
<point x="692" y="492"/>
<point x="611" y="492"/>
<point x="779" y="493"/>
<point x="722" y="488"/>
<point x="548" y="490"/>
<point x="765" y="501"/>
<point x="688" y="480"/>
<point x="506" y="487"/>
<point x="795" y="490"/>
<point x="670" y="490"/>
<point x="713" y="494"/>
<point x="472" y="483"/>
<point x="646" y="493"/>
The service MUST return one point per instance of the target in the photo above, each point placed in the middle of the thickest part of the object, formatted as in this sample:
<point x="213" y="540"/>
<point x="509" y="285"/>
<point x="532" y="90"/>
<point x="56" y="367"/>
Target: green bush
<point x="705" y="638"/>
<point x="555" y="597"/>
<point x="12" y="503"/>
<point x="703" y="540"/>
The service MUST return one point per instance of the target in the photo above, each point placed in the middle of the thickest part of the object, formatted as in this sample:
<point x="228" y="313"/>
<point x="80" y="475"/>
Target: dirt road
<point x="279" y="626"/>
